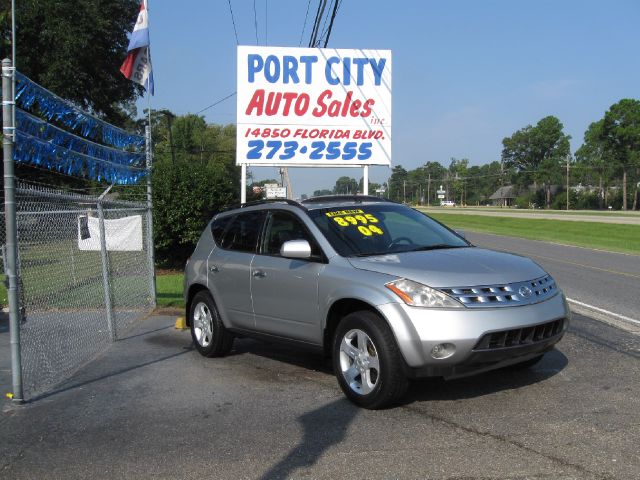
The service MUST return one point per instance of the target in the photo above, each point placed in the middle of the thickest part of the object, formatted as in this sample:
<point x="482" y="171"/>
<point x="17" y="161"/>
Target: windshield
<point x="380" y="229"/>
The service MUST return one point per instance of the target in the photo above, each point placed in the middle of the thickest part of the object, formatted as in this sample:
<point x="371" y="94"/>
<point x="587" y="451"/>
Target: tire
<point x="526" y="364"/>
<point x="367" y="361"/>
<point x="209" y="334"/>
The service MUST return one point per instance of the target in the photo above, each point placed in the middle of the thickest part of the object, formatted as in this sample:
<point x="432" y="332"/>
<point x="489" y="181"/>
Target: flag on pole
<point x="137" y="65"/>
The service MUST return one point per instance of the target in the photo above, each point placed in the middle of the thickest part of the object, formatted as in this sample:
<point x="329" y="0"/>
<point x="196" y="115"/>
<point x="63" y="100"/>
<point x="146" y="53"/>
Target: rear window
<point x="242" y="233"/>
<point x="218" y="226"/>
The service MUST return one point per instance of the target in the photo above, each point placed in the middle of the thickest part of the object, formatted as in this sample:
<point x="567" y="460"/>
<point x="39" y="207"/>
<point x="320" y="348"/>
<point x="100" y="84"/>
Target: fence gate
<point x="85" y="275"/>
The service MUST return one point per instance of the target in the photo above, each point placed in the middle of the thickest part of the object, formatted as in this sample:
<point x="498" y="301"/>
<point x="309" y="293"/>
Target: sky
<point x="466" y="73"/>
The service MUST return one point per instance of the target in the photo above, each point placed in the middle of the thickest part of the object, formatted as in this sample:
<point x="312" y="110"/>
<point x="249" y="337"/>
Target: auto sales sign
<point x="312" y="106"/>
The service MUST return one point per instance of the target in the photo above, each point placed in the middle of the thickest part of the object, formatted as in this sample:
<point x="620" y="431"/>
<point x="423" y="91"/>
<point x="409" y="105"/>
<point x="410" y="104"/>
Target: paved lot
<point x="151" y="407"/>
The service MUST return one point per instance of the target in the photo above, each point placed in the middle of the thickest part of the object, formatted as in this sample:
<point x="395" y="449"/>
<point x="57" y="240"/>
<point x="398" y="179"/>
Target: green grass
<point x="605" y="236"/>
<point x="169" y="290"/>
<point x="4" y="301"/>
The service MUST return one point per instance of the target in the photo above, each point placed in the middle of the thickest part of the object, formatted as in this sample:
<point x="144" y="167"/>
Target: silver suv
<point x="389" y="293"/>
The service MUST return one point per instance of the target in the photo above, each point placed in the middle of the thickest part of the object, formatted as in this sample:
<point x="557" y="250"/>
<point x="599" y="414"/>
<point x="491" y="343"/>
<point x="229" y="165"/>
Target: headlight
<point x="418" y="295"/>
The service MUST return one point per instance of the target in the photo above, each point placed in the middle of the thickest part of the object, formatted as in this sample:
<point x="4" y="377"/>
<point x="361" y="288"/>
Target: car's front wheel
<point x="209" y="334"/>
<point x="367" y="362"/>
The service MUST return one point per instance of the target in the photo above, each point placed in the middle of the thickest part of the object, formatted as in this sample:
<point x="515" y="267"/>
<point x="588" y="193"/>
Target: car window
<point x="381" y="229"/>
<point x="282" y="227"/>
<point x="242" y="234"/>
<point x="218" y="226"/>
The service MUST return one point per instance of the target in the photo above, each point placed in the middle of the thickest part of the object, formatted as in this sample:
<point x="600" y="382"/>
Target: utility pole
<point x="404" y="191"/>
<point x="170" y="116"/>
<point x="429" y="191"/>
<point x="568" y="158"/>
<point x="502" y="182"/>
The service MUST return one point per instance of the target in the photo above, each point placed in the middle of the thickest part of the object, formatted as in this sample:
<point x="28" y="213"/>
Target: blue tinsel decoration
<point x="46" y="154"/>
<point x="29" y="93"/>
<point x="39" y="128"/>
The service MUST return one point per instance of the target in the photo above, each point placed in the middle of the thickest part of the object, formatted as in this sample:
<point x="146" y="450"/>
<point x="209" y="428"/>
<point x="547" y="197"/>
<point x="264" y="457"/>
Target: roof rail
<point x="343" y="198"/>
<point x="293" y="203"/>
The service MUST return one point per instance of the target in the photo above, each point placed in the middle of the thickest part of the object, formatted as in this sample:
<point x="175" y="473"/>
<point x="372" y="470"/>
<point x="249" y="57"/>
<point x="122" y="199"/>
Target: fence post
<point x="105" y="268"/>
<point x="150" y="248"/>
<point x="8" y="139"/>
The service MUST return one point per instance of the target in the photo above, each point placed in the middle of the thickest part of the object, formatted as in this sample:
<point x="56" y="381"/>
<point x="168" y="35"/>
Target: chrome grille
<point x="520" y="336"/>
<point x="507" y="295"/>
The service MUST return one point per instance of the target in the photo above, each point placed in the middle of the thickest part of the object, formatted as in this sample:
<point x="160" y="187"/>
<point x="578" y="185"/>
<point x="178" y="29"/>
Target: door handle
<point x="259" y="274"/>
<point x="213" y="269"/>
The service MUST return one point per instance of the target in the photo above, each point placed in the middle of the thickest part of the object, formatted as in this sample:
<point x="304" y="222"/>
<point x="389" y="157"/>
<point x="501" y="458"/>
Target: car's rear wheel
<point x="209" y="334"/>
<point x="367" y="362"/>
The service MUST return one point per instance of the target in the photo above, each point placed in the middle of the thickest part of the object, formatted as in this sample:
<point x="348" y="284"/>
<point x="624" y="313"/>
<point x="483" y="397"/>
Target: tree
<point x="433" y="175"/>
<point x="322" y="193"/>
<point x="75" y="49"/>
<point x="372" y="186"/>
<point x="188" y="192"/>
<point x="397" y="184"/>
<point x="346" y="186"/>
<point x="594" y="158"/>
<point x="538" y="151"/>
<point x="621" y="134"/>
<point x="481" y="182"/>
<point x="458" y="171"/>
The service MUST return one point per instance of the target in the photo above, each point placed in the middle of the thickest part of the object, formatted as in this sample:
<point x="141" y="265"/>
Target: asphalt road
<point x="628" y="218"/>
<point x="152" y="407"/>
<point x="605" y="280"/>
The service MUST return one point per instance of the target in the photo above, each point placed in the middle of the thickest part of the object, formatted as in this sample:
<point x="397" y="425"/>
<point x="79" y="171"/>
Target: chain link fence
<point x="80" y="289"/>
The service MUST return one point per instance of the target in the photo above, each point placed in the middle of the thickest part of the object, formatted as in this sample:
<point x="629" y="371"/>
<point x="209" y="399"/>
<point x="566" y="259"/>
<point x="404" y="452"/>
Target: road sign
<point x="441" y="196"/>
<point x="276" y="192"/>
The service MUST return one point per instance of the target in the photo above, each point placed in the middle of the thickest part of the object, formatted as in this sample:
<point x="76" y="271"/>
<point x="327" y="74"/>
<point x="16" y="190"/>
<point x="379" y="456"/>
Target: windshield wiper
<point x="437" y="246"/>
<point x="370" y="254"/>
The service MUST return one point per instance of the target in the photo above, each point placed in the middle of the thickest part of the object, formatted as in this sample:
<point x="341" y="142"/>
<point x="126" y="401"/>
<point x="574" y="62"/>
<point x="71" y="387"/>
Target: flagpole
<point x="150" y="246"/>
<point x="13" y="60"/>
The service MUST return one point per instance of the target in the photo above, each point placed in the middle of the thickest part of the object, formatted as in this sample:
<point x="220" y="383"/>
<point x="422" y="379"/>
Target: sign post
<point x="312" y="107"/>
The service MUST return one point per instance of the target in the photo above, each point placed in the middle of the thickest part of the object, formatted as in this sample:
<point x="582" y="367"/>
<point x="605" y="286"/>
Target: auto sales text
<point x="289" y="69"/>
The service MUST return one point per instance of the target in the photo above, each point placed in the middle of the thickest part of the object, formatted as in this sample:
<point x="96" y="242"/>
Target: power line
<point x="304" y="27"/>
<point x="255" y="21"/>
<point x="324" y="24"/>
<point x="216" y="103"/>
<point x="336" y="5"/>
<point x="316" y="24"/>
<point x="234" y="23"/>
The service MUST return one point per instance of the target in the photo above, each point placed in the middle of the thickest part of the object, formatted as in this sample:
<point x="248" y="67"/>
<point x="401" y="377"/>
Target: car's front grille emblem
<point x="507" y="295"/>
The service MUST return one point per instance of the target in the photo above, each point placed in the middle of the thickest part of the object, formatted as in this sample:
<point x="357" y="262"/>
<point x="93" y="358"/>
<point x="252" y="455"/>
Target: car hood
<point x="454" y="267"/>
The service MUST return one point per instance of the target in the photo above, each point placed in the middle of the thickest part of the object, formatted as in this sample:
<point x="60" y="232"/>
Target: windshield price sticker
<point x="356" y="218"/>
<point x="343" y="212"/>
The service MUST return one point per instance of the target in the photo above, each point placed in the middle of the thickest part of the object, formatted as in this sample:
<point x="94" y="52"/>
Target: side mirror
<point x="461" y="233"/>
<point x="295" y="249"/>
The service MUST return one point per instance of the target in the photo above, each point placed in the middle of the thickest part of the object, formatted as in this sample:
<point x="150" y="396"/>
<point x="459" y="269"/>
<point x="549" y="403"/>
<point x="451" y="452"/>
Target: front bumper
<point x="418" y="330"/>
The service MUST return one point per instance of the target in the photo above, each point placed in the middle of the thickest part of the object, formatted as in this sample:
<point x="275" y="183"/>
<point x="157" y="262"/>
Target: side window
<point x="282" y="227"/>
<point x="242" y="233"/>
<point x="218" y="226"/>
